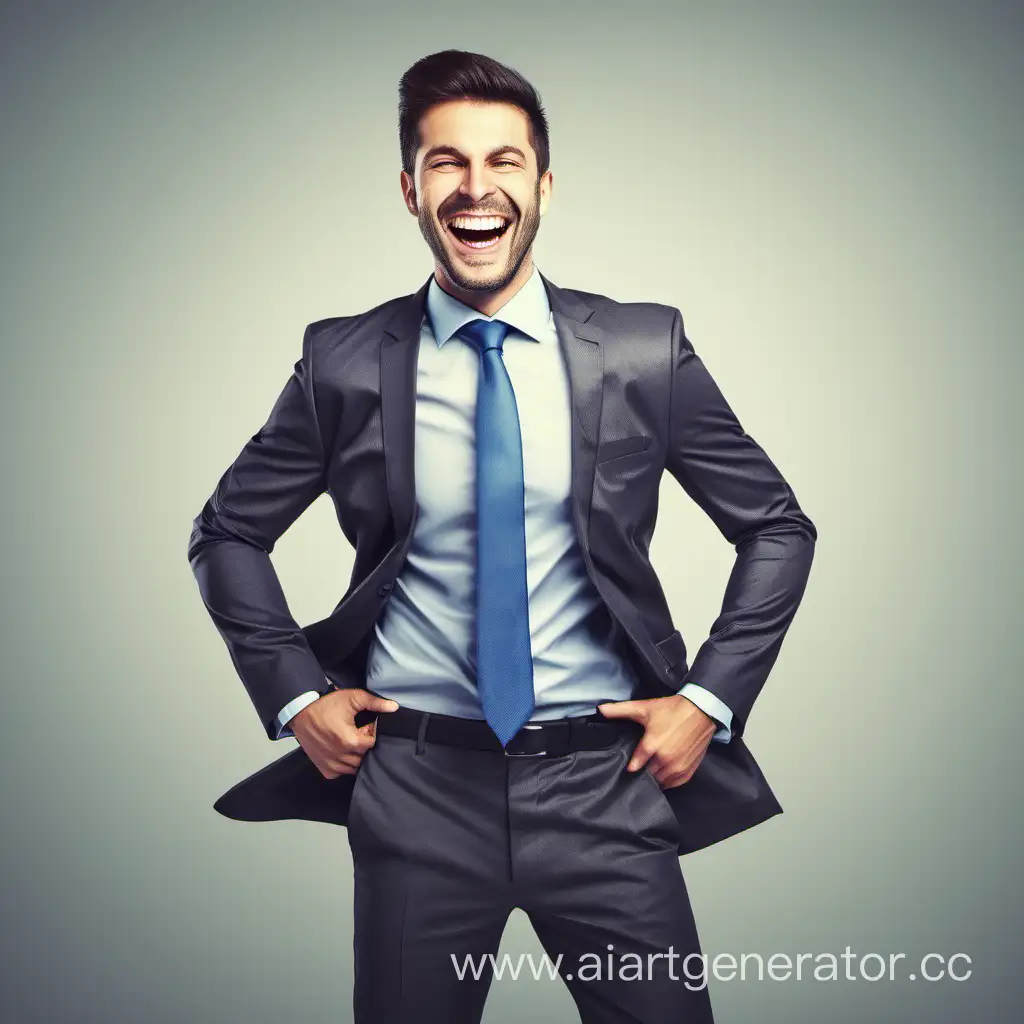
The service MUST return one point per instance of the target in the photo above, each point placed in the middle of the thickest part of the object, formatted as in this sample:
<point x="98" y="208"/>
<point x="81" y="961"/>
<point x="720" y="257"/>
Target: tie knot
<point x="486" y="334"/>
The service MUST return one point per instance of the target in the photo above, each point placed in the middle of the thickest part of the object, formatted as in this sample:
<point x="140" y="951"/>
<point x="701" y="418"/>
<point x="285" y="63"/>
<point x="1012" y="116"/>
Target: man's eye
<point x="442" y="163"/>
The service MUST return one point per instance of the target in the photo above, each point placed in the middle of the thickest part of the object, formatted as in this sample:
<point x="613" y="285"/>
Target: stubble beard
<point x="525" y="230"/>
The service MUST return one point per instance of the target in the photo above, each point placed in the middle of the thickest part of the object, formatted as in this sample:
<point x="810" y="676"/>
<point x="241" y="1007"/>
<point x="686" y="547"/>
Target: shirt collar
<point x="528" y="311"/>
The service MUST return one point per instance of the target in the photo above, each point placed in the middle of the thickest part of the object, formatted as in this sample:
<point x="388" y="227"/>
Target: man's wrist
<point x="293" y="708"/>
<point x="713" y="722"/>
<point x="713" y="707"/>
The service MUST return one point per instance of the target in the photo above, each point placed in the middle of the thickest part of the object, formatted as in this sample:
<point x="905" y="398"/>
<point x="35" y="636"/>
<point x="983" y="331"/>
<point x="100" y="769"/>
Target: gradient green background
<point x="831" y="193"/>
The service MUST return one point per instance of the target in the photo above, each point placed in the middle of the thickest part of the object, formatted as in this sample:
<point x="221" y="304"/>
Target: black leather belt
<point x="535" y="739"/>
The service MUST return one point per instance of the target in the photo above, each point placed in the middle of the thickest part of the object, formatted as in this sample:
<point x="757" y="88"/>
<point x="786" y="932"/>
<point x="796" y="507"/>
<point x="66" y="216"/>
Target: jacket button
<point x="384" y="589"/>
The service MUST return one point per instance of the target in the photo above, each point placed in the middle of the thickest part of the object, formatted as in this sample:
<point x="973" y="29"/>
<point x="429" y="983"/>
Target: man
<point x="500" y="709"/>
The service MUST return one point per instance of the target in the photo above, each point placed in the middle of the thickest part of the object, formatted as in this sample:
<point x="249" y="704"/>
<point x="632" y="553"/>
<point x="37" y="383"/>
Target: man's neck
<point x="486" y="302"/>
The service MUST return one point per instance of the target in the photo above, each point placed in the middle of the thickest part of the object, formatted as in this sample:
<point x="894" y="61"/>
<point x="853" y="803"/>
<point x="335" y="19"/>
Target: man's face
<point x="475" y="158"/>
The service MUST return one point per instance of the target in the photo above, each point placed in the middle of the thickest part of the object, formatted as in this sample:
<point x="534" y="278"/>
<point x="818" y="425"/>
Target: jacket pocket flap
<point x="623" y="446"/>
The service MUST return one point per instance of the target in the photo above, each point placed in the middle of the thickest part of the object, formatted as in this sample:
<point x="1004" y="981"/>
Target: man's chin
<point x="481" y="277"/>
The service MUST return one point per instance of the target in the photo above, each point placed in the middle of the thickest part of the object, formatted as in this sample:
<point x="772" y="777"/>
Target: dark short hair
<point x="458" y="74"/>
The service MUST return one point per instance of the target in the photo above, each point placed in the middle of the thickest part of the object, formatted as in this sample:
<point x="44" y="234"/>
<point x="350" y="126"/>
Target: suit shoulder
<point x="626" y="316"/>
<point x="334" y="330"/>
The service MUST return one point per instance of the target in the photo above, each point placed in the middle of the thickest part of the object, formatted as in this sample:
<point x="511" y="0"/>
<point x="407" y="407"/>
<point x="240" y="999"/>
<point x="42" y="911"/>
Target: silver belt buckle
<point x="525" y="753"/>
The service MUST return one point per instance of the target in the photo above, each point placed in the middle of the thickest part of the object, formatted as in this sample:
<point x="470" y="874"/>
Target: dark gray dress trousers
<point x="447" y="841"/>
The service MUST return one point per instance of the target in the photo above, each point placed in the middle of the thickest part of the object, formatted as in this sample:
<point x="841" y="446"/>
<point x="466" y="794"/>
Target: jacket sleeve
<point x="725" y="471"/>
<point x="276" y="476"/>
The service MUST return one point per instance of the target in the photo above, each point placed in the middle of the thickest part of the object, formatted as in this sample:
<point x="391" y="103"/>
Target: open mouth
<point x="478" y="232"/>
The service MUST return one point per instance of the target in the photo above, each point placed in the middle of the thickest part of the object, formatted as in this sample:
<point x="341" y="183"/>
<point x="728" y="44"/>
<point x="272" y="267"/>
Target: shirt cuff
<point x="713" y="707"/>
<point x="290" y="710"/>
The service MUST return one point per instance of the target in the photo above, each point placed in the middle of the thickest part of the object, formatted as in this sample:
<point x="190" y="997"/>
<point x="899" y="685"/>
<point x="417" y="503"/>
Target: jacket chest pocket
<point x="620" y="448"/>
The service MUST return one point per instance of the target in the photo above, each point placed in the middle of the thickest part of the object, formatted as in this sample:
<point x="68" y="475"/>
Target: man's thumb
<point x="363" y="700"/>
<point x="374" y="703"/>
<point x="623" y="709"/>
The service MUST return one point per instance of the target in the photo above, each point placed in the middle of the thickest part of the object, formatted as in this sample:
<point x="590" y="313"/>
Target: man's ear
<point x="409" y="193"/>
<point x="546" y="182"/>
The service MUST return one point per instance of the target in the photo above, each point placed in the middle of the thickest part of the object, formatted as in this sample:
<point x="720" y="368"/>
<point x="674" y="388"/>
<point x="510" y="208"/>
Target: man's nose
<point x="476" y="182"/>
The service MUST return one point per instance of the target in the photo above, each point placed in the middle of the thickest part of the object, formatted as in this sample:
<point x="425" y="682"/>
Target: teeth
<point x="477" y="223"/>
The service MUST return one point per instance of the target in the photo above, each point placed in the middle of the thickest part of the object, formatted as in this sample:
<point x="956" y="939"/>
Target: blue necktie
<point x="504" y="658"/>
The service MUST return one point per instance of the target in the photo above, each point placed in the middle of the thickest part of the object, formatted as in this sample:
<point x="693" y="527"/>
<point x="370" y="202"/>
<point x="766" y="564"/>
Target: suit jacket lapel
<point x="580" y="342"/>
<point x="398" y="358"/>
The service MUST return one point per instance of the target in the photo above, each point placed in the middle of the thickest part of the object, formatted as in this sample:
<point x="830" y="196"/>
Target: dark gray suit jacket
<point x="642" y="403"/>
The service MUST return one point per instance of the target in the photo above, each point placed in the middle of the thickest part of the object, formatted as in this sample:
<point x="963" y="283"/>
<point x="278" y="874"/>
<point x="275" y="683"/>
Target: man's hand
<point x="327" y="730"/>
<point x="676" y="735"/>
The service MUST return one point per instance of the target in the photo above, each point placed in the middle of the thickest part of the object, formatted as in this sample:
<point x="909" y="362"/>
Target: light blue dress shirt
<point x="421" y="653"/>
